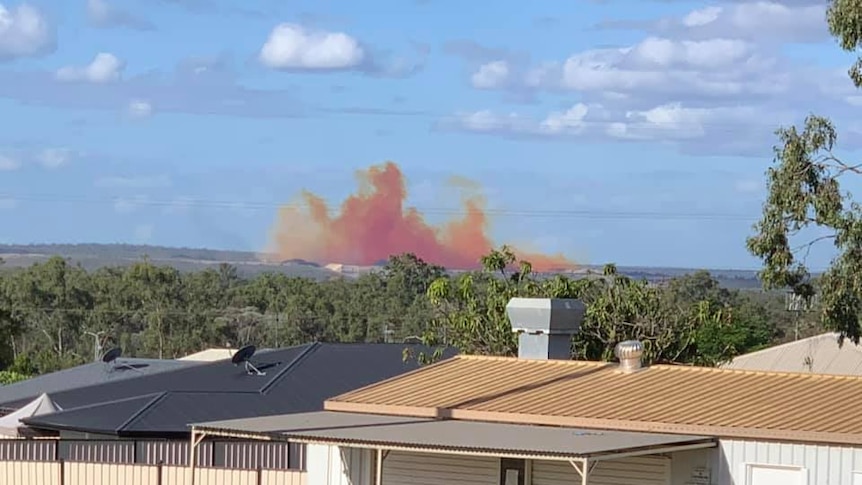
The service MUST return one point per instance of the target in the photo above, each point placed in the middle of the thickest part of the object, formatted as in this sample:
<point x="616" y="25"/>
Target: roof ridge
<point x="791" y="343"/>
<point x="290" y="366"/>
<point x="681" y="368"/>
<point x="137" y="414"/>
<point x="596" y="363"/>
<point x="35" y="419"/>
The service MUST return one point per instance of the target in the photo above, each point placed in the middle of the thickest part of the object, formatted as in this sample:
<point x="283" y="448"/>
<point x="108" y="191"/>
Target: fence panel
<point x="28" y="450"/>
<point x="109" y="474"/>
<point x="30" y="472"/>
<point x="176" y="475"/>
<point x="222" y="476"/>
<point x="280" y="477"/>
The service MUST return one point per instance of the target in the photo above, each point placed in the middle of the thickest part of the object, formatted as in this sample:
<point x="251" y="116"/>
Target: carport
<point x="583" y="449"/>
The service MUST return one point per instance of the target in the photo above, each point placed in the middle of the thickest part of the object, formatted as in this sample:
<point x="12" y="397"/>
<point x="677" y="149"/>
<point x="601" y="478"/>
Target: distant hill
<point x="93" y="256"/>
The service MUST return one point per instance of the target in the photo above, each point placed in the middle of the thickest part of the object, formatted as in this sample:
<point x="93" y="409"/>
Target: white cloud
<point x="292" y="46"/>
<point x="139" y="108"/>
<point x="144" y="233"/>
<point x="54" y="157"/>
<point x="8" y="203"/>
<point x="791" y="23"/>
<point x="716" y="80"/>
<point x="24" y="32"/>
<point x="491" y="75"/>
<point x="104" y="68"/>
<point x="103" y="15"/>
<point x="8" y="163"/>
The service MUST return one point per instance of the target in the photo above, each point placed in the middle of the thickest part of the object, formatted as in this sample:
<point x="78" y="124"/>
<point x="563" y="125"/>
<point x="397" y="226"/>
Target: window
<point x="775" y="475"/>
<point x="513" y="472"/>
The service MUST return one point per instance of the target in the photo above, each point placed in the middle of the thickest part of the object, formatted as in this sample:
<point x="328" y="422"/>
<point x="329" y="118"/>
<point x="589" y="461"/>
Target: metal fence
<point x="80" y="473"/>
<point x="245" y="455"/>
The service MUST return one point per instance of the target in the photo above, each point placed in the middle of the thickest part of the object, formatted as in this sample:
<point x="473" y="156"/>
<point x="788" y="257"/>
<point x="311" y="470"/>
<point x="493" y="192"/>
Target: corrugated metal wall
<point x="49" y="473"/>
<point x="641" y="470"/>
<point x="826" y="465"/>
<point x="28" y="450"/>
<point x="250" y="455"/>
<point x="434" y="469"/>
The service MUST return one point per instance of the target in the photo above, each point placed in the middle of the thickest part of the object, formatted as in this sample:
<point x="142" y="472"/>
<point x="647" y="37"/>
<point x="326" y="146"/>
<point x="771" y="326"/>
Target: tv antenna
<point x="110" y="357"/>
<point x="243" y="356"/>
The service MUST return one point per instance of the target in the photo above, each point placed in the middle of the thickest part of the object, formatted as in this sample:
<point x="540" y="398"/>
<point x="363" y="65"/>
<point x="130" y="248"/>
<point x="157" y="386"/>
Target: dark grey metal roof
<point x="451" y="435"/>
<point x="298" y="379"/>
<point x="13" y="396"/>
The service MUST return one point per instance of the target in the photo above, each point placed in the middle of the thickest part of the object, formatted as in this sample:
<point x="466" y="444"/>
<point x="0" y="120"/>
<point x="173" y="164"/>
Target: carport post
<point x="582" y="466"/>
<point x="378" y="470"/>
<point x="193" y="445"/>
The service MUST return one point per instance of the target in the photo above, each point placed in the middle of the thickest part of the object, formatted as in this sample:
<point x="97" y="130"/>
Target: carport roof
<point x="453" y="436"/>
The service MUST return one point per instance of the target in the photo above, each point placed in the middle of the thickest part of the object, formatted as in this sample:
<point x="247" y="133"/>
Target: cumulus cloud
<point x="788" y="22"/>
<point x="292" y="46"/>
<point x="712" y="81"/>
<point x="104" y="68"/>
<point x="24" y="32"/>
<point x="103" y="15"/>
<point x="491" y="75"/>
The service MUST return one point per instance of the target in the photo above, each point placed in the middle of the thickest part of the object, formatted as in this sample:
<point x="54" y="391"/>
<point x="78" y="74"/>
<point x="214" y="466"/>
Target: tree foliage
<point x="50" y="312"/>
<point x="804" y="195"/>
<point x="690" y="321"/>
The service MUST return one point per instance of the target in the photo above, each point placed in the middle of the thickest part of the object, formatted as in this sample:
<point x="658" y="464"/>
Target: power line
<point x="525" y="213"/>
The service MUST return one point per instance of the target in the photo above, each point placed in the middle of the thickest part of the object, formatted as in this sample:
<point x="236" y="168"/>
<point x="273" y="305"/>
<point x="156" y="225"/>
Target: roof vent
<point x="629" y="352"/>
<point x="545" y="326"/>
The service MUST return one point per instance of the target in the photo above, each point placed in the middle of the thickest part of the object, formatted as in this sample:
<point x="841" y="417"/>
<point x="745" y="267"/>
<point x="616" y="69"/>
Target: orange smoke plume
<point x="374" y="224"/>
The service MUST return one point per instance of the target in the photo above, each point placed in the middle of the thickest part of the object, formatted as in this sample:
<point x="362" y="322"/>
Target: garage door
<point x="775" y="475"/>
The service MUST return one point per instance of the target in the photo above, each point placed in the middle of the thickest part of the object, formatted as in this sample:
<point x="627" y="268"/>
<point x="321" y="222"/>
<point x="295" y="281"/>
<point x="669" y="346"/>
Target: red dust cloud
<point x="374" y="224"/>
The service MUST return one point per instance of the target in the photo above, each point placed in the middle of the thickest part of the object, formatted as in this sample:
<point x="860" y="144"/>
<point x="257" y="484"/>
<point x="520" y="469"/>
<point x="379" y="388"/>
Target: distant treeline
<point x="50" y="311"/>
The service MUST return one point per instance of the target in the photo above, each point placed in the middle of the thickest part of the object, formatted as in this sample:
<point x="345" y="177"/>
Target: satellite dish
<point x="243" y="356"/>
<point x="112" y="355"/>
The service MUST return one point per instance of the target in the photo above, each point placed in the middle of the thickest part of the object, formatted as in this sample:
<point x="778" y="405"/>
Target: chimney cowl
<point x="629" y="352"/>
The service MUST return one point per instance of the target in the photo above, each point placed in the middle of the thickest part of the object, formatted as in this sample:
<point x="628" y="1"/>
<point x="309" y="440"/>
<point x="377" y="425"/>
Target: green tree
<point x="805" y="196"/>
<point x="470" y="314"/>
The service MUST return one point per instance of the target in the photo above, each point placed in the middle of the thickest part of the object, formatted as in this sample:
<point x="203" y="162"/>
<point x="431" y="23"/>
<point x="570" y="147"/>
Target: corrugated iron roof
<point x="423" y="434"/>
<point x="661" y="398"/>
<point x="819" y="354"/>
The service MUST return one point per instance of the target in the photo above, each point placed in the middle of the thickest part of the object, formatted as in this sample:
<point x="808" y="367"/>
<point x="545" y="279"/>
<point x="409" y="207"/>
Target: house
<point x="819" y="354"/>
<point x="145" y="419"/>
<point x="15" y="395"/>
<point x="209" y="355"/>
<point x="541" y="419"/>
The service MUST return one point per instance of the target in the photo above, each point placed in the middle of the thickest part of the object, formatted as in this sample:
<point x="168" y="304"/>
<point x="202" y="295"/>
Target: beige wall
<point x="49" y="473"/>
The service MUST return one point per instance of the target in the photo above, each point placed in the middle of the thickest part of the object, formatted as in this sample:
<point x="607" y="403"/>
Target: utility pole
<point x="97" y="344"/>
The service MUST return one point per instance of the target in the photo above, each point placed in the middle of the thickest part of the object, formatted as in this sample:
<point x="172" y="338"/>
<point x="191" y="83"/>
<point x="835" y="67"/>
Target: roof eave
<point x="725" y="432"/>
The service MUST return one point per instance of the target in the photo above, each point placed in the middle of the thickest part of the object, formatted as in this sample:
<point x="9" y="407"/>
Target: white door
<point x="775" y="475"/>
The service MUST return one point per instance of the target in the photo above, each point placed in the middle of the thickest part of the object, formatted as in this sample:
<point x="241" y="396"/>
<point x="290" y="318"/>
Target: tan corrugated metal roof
<point x="819" y="354"/>
<point x="661" y="398"/>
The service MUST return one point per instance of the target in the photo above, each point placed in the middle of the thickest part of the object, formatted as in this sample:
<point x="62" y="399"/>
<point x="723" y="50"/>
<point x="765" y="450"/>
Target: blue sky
<point x="646" y="124"/>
